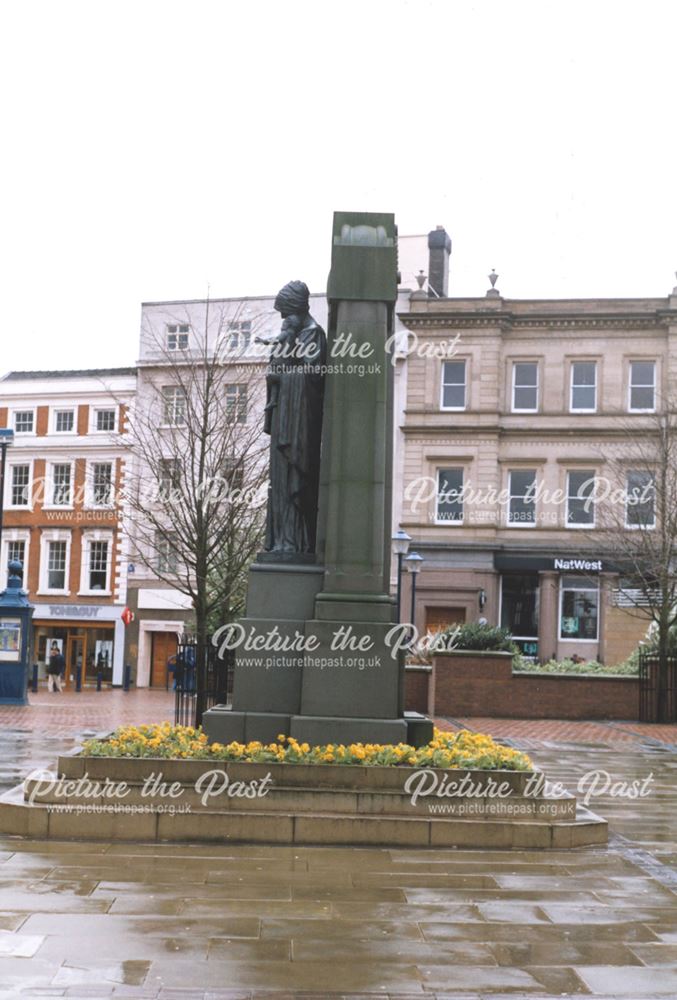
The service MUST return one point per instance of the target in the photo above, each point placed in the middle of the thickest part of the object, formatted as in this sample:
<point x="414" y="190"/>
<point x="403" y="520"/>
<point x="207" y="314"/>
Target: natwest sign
<point x="578" y="565"/>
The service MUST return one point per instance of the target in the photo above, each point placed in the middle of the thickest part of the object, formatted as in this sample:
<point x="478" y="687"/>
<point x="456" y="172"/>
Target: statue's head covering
<point x="293" y="298"/>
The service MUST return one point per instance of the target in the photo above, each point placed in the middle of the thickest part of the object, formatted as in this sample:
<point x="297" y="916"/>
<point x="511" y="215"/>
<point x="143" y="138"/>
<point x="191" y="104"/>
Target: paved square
<point x="197" y="922"/>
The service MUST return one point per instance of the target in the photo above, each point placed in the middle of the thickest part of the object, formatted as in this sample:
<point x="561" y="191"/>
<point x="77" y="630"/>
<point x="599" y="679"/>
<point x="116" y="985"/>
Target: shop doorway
<point x="163" y="646"/>
<point x="76" y="657"/>
<point x="437" y="619"/>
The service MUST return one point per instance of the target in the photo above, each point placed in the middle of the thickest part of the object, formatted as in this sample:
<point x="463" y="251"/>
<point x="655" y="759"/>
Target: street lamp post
<point x="6" y="439"/>
<point x="413" y="563"/>
<point x="400" y="547"/>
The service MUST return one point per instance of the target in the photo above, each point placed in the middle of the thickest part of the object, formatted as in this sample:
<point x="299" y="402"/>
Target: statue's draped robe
<point x="295" y="426"/>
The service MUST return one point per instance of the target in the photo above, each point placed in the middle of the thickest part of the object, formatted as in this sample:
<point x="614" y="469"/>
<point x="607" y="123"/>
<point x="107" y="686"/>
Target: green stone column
<point x="352" y="683"/>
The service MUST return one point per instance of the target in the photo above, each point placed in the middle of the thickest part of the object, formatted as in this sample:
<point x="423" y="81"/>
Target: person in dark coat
<point x="56" y="669"/>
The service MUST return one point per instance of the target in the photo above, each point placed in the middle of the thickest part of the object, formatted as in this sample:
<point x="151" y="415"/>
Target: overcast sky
<point x="154" y="149"/>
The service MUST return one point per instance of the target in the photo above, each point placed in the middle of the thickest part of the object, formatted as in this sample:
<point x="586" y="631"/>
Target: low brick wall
<point x="483" y="684"/>
<point x="417" y="689"/>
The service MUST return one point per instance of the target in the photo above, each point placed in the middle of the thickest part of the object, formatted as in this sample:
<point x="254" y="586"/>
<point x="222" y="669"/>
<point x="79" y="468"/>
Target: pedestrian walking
<point x="55" y="669"/>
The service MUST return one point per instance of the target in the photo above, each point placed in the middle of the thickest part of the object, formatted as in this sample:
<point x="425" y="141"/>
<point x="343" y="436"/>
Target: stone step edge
<point x="348" y="777"/>
<point x="39" y="822"/>
<point x="135" y="783"/>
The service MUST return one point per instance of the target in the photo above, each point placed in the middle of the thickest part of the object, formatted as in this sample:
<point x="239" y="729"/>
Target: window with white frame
<point x="233" y="474"/>
<point x="583" y="386"/>
<point x="165" y="553"/>
<point x="104" y="419"/>
<point x="57" y="564"/>
<point x="640" y="500"/>
<point x="579" y="608"/>
<point x="64" y="421"/>
<point x="96" y="564"/>
<point x="101" y="483"/>
<point x="20" y="485"/>
<point x="642" y="386"/>
<point x="174" y="405"/>
<point x="449" y="509"/>
<point x="16" y="552"/>
<point x="177" y="336"/>
<point x="239" y="334"/>
<point x="580" y="499"/>
<point x="169" y="477"/>
<point x="525" y="387"/>
<point x="522" y="498"/>
<point x="15" y="549"/>
<point x="453" y="385"/>
<point x="24" y="421"/>
<point x="236" y="402"/>
<point x="62" y="484"/>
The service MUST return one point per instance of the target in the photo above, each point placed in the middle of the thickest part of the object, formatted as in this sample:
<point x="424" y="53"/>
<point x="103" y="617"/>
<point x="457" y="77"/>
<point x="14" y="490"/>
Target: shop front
<point x="89" y="636"/>
<point x="555" y="606"/>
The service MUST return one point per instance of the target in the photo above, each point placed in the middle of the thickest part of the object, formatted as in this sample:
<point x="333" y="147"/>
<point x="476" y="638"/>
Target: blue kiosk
<point x="15" y="622"/>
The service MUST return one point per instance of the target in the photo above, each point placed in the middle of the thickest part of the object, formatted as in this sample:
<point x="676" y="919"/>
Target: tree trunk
<point x="662" y="708"/>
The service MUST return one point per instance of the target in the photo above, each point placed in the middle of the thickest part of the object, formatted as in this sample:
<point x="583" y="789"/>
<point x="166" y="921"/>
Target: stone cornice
<point x="506" y="322"/>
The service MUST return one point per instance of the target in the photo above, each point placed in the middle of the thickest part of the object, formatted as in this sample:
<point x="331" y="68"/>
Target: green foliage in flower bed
<point x="477" y="637"/>
<point x="629" y="667"/>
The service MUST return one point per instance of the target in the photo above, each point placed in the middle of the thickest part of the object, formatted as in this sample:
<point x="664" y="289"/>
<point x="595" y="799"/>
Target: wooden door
<point x="163" y="646"/>
<point x="440" y="618"/>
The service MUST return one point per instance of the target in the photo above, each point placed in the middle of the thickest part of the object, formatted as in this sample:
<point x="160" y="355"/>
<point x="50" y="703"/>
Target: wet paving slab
<point x="238" y="922"/>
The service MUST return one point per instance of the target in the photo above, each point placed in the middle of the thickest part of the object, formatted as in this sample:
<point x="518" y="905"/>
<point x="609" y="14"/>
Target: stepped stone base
<point x="194" y="800"/>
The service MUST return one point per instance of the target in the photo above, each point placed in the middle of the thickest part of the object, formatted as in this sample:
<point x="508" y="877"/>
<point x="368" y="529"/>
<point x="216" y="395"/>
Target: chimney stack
<point x="439" y="251"/>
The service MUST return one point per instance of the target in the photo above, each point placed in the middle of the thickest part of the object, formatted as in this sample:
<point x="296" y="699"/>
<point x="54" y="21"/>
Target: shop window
<point x="525" y="387"/>
<point x="236" y="402"/>
<point x="580" y="502"/>
<point x="584" y="386"/>
<point x="453" y="385"/>
<point x="56" y="565"/>
<point x="519" y="609"/>
<point x="640" y="505"/>
<point x="642" y="386"/>
<point x="578" y="609"/>
<point x="20" y="488"/>
<point x="522" y="509"/>
<point x="449" y="496"/>
<point x="98" y="565"/>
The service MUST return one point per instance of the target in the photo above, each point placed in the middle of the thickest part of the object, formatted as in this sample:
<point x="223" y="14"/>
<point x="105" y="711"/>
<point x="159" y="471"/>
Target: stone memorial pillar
<point x="343" y="680"/>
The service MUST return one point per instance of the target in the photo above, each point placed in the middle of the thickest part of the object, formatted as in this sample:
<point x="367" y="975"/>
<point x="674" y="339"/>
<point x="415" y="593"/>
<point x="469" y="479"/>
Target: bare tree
<point x="195" y="488"/>
<point x="637" y="504"/>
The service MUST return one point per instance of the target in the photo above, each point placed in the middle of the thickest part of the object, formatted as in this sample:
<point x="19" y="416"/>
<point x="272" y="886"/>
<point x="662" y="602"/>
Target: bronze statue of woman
<point x="293" y="418"/>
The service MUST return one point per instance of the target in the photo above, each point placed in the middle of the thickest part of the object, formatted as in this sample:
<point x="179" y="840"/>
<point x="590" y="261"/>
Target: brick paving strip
<point x="69" y="713"/>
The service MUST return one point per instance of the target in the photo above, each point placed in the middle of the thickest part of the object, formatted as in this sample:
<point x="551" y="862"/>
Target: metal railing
<point x="656" y="705"/>
<point x="217" y="686"/>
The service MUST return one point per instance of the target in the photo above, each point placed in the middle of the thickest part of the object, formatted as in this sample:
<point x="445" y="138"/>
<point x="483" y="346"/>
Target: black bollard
<point x="34" y="680"/>
<point x="78" y="678"/>
<point x="127" y="678"/>
<point x="99" y="678"/>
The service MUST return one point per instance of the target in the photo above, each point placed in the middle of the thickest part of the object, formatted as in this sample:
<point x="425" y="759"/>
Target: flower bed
<point x="446" y="750"/>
